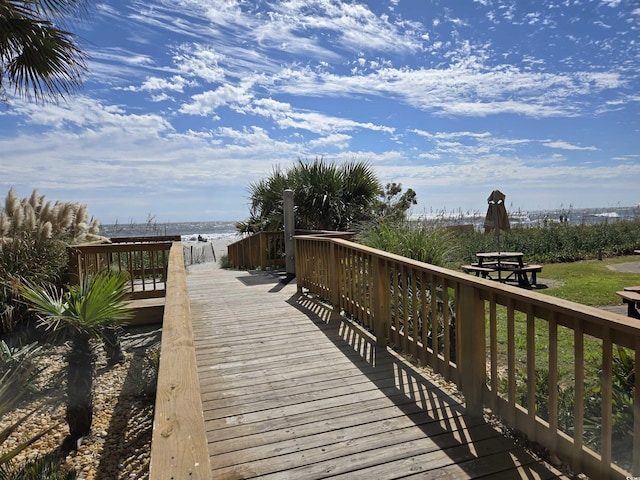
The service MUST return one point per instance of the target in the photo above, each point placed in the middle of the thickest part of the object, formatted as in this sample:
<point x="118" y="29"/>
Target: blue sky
<point x="187" y="102"/>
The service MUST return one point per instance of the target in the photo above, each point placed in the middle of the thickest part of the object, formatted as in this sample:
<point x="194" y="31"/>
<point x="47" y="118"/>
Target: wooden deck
<point x="288" y="392"/>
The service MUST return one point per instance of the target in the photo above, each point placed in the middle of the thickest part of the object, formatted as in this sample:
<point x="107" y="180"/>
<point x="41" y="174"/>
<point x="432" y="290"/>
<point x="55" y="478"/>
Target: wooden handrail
<point x="145" y="261"/>
<point x="449" y="321"/>
<point x="266" y="249"/>
<point x="262" y="249"/>
<point x="179" y="443"/>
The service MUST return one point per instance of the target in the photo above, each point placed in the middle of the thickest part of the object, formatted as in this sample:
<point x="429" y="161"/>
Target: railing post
<point x="471" y="334"/>
<point x="74" y="265"/>
<point x="262" y="252"/>
<point x="381" y="291"/>
<point x="300" y="267"/>
<point x="334" y="280"/>
<point x="289" y="231"/>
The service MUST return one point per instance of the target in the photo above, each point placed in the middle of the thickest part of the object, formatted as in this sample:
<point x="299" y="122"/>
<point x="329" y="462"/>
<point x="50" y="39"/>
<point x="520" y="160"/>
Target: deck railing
<point x="262" y="249"/>
<point x="179" y="443"/>
<point x="266" y="249"/>
<point x="145" y="259"/>
<point x="495" y="342"/>
<point x="156" y="268"/>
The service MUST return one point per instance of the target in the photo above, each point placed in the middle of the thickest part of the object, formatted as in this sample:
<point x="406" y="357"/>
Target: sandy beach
<point x="206" y="252"/>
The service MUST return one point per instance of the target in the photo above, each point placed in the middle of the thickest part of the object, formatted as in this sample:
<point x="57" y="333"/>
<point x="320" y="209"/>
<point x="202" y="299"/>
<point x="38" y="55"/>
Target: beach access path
<point x="290" y="392"/>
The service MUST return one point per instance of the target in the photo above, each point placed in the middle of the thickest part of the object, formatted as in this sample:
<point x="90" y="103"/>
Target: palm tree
<point x="266" y="208"/>
<point x="81" y="314"/>
<point x="327" y="196"/>
<point x="37" y="57"/>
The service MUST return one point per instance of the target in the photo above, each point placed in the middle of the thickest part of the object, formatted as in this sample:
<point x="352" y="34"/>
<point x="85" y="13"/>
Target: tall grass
<point x="422" y="241"/>
<point x="556" y="242"/>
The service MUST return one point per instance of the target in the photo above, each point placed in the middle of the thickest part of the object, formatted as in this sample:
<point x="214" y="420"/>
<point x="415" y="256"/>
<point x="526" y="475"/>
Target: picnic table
<point x="631" y="296"/>
<point x="503" y="267"/>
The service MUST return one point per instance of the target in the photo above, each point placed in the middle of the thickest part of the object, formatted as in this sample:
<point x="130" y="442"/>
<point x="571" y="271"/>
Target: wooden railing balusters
<point x="511" y="364"/>
<point x="531" y="374"/>
<point x="493" y="350"/>
<point x="606" y="381"/>
<point x="578" y="415"/>
<point x="446" y="325"/>
<point x="423" y="353"/>
<point x="388" y="294"/>
<point x="435" y="325"/>
<point x="552" y="437"/>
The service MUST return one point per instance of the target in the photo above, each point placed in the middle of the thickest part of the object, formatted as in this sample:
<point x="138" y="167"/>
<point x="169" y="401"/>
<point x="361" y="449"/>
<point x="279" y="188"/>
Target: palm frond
<point x="38" y="57"/>
<point x="46" y="300"/>
<point x="99" y="301"/>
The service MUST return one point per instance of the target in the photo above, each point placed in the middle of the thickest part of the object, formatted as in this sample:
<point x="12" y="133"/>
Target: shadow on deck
<point x="290" y="391"/>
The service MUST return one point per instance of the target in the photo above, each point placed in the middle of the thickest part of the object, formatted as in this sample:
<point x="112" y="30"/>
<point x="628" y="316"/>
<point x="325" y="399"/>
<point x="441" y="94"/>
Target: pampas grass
<point x="32" y="216"/>
<point x="34" y="234"/>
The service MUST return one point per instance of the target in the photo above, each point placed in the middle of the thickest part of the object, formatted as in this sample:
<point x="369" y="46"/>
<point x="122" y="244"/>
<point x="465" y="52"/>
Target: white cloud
<point x="208" y="95"/>
<point x="208" y="102"/>
<point x="469" y="90"/>
<point x="566" y="146"/>
<point x="333" y="141"/>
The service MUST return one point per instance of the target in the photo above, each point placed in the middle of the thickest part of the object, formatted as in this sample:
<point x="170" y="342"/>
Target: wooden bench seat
<point x="523" y="279"/>
<point x="510" y="264"/>
<point x="632" y="299"/>
<point x="530" y="269"/>
<point x="513" y="271"/>
<point x="479" y="271"/>
<point x="632" y="289"/>
<point x="503" y="265"/>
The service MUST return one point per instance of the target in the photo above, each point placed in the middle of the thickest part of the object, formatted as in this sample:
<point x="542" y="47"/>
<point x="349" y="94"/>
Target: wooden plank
<point x="324" y="455"/>
<point x="429" y="454"/>
<point x="289" y="393"/>
<point x="629" y="296"/>
<point x="240" y="426"/>
<point x="376" y="420"/>
<point x="179" y="446"/>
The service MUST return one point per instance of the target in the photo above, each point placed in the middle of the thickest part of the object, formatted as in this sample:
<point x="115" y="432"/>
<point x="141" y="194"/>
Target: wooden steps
<point x="147" y="311"/>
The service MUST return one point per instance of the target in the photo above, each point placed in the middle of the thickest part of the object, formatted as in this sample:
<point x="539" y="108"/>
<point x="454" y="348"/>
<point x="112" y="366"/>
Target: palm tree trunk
<point x="81" y="366"/>
<point x="112" y="346"/>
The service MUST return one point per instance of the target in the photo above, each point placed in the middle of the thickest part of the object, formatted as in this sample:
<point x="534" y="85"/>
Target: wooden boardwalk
<point x="289" y="393"/>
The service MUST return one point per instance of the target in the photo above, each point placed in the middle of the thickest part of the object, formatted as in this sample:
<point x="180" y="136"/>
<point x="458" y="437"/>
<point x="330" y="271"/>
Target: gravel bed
<point x="120" y="442"/>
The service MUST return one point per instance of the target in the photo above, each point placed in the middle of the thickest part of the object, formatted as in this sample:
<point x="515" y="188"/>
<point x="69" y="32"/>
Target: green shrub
<point x="224" y="261"/>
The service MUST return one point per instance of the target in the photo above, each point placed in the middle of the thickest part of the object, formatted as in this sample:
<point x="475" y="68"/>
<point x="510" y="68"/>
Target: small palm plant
<point x="83" y="313"/>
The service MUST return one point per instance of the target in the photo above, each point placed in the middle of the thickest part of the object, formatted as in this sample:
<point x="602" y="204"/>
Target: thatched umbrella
<point x="496" y="218"/>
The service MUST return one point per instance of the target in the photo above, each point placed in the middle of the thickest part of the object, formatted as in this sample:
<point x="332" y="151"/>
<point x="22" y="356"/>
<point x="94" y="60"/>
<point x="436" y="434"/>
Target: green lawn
<point x="590" y="282"/>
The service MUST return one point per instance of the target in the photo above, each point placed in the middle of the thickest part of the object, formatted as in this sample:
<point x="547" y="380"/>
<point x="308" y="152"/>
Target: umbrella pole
<point x="495" y="226"/>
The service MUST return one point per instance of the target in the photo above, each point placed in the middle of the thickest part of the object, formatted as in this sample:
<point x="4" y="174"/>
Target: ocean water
<point x="541" y="217"/>
<point x="189" y="231"/>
